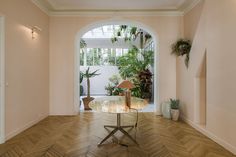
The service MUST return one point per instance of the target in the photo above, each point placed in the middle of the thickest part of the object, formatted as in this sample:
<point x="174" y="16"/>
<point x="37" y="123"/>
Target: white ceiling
<point x="54" y="6"/>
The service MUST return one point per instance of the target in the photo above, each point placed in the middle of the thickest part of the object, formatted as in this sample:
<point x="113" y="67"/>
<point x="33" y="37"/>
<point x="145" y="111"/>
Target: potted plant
<point x="174" y="104"/>
<point x="111" y="87"/>
<point x="182" y="47"/>
<point x="113" y="82"/>
<point x="87" y="99"/>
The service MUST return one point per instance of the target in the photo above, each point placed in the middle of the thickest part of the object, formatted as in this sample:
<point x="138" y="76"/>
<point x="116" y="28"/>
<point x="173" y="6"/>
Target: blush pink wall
<point x="211" y="26"/>
<point x="27" y="65"/>
<point x="63" y="32"/>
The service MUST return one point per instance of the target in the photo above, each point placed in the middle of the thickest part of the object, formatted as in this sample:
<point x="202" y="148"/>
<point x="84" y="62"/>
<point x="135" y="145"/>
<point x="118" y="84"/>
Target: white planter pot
<point x="165" y="108"/>
<point x="174" y="114"/>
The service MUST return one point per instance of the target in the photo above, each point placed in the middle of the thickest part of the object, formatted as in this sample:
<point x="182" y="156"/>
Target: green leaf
<point x="89" y="74"/>
<point x="182" y="47"/>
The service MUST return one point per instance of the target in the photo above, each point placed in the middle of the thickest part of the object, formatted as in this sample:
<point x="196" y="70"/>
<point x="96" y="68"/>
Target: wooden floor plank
<point x="78" y="136"/>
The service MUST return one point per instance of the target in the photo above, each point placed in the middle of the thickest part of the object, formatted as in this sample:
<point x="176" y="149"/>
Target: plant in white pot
<point x="174" y="103"/>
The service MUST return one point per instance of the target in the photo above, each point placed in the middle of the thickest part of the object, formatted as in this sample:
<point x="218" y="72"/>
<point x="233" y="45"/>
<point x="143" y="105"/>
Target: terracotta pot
<point x="174" y="114"/>
<point x="86" y="102"/>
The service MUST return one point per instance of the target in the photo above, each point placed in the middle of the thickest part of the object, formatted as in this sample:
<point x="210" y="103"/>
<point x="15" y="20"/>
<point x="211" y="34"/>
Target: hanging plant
<point x="83" y="44"/>
<point x="129" y="33"/>
<point x="180" y="48"/>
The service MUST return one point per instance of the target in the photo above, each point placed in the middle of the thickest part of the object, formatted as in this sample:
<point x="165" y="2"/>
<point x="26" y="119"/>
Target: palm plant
<point x="87" y="74"/>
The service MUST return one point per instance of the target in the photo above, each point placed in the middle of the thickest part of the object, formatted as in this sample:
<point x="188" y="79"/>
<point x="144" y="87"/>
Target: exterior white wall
<point x="98" y="83"/>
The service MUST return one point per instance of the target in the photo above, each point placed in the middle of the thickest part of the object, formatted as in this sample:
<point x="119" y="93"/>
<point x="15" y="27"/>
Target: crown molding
<point x="50" y="11"/>
<point x="41" y="6"/>
<point x="116" y="13"/>
<point x="191" y="6"/>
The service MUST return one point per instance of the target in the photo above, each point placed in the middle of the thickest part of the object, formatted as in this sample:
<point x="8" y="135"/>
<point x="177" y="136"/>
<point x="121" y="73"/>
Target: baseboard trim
<point x="212" y="136"/>
<point x="28" y="125"/>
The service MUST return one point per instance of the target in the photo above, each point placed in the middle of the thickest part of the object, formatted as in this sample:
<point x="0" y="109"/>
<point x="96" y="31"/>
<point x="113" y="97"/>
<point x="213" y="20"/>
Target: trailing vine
<point x="182" y="47"/>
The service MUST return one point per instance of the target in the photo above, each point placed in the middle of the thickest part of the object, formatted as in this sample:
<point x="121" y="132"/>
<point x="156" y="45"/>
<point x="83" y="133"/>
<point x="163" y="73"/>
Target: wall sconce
<point x="34" y="29"/>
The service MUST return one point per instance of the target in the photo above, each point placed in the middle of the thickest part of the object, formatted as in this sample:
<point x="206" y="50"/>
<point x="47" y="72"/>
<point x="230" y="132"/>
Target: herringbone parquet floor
<point x="77" y="136"/>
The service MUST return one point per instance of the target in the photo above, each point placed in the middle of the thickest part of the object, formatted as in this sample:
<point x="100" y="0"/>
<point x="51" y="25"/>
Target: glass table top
<point x="116" y="104"/>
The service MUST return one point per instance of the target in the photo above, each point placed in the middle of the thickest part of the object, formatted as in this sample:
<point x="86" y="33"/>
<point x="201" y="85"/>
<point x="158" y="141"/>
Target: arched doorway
<point x="116" y="22"/>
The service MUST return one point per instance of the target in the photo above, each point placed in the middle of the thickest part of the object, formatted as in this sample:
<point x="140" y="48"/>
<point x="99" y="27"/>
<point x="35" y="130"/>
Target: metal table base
<point x="120" y="128"/>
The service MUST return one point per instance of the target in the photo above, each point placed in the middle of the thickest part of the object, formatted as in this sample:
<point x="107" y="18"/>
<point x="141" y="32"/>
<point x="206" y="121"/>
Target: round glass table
<point x="117" y="105"/>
